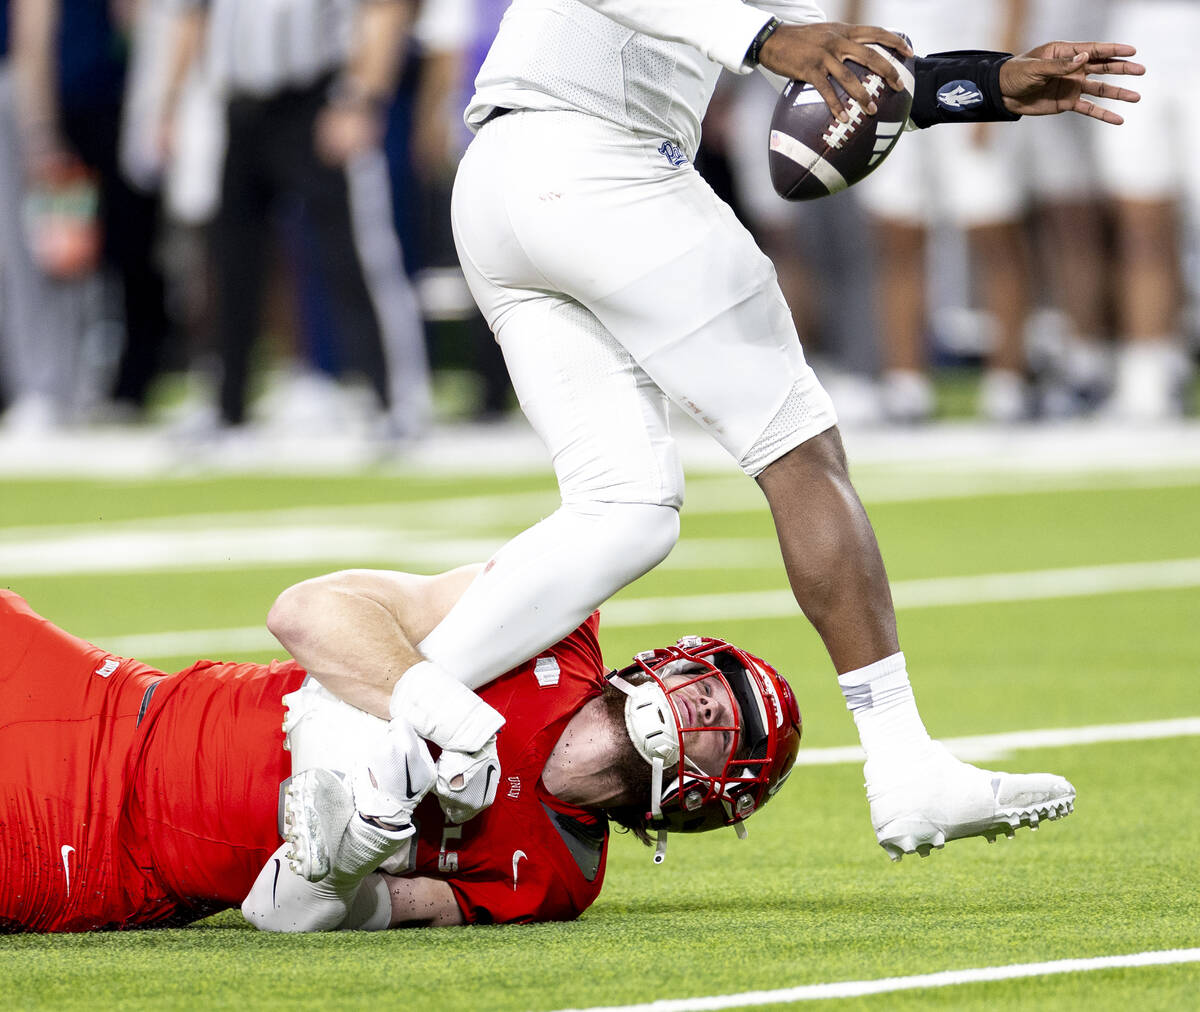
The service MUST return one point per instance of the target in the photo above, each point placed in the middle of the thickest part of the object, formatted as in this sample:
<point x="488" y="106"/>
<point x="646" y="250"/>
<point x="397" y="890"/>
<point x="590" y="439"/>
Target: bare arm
<point x="422" y="903"/>
<point x="186" y="41"/>
<point x="353" y="122"/>
<point x="356" y="631"/>
<point x="433" y="120"/>
<point x="34" y="27"/>
<point x="380" y="33"/>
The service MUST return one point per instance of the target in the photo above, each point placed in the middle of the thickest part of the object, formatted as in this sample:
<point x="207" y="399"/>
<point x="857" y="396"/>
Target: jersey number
<point x="448" y="859"/>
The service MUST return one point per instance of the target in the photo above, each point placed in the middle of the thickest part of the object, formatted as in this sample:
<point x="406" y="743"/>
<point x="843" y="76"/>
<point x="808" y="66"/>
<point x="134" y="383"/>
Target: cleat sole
<point x="922" y="838"/>
<point x="302" y="827"/>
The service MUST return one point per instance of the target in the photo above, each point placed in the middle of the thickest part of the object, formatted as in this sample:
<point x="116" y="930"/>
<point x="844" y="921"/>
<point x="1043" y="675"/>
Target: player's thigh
<point x="711" y="328"/>
<point x="602" y="418"/>
<point x="574" y="211"/>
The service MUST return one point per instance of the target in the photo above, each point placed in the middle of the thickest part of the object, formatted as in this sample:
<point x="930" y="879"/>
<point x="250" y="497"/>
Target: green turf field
<point x="1026" y="601"/>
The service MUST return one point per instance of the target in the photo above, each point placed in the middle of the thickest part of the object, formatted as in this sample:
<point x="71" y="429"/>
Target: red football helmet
<point x="720" y="728"/>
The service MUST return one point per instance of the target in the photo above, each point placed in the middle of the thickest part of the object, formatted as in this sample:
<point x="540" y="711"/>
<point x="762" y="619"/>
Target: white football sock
<point x="545" y="582"/>
<point x="881" y="700"/>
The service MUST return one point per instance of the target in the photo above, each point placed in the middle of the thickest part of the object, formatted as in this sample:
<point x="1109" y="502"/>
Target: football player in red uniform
<point x="130" y="797"/>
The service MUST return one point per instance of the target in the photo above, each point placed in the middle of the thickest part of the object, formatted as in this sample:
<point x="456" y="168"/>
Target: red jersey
<point x="133" y="798"/>
<point x="528" y="857"/>
<point x="130" y="797"/>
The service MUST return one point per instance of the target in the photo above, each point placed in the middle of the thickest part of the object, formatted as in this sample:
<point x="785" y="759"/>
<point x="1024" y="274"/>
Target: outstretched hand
<point x="816" y="54"/>
<point x="1056" y="78"/>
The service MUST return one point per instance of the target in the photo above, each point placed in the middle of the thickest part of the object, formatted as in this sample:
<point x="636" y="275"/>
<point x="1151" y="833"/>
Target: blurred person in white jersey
<point x="615" y="281"/>
<point x="1150" y="192"/>
<point x="1062" y="176"/>
<point x="963" y="180"/>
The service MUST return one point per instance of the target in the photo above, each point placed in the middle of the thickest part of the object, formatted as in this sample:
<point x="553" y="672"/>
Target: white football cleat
<point x="317" y="807"/>
<point x="940" y="798"/>
<point x="328" y="835"/>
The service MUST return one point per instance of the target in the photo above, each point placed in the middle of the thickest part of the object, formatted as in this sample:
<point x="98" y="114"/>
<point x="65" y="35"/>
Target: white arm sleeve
<point x="721" y="29"/>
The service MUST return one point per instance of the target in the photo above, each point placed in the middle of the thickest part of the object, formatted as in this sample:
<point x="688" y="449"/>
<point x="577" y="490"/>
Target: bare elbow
<point x="291" y="616"/>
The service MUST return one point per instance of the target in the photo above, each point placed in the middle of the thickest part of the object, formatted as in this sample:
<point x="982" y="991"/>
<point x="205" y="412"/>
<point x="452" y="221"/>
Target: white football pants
<point x="614" y="279"/>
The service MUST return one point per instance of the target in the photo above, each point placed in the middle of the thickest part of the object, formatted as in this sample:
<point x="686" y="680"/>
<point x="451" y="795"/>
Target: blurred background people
<point x="1070" y="338"/>
<point x="305" y="85"/>
<point x="37" y="342"/>
<point x="967" y="178"/>
<point x="268" y="153"/>
<point x="1151" y="169"/>
<point x="69" y="61"/>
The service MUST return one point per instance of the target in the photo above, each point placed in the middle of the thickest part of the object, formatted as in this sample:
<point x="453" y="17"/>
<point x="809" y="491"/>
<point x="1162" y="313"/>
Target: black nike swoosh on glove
<point x="488" y="779"/>
<point x="409" y="793"/>
<point x="275" y="884"/>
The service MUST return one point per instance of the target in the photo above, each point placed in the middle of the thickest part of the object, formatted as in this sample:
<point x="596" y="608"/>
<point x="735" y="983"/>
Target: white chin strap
<point x="655" y="737"/>
<point x="651" y="726"/>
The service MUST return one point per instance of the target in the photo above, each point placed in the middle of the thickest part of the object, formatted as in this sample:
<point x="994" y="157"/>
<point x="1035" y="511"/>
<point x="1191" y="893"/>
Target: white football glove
<point x="393" y="779"/>
<point x="445" y="711"/>
<point x="467" y="781"/>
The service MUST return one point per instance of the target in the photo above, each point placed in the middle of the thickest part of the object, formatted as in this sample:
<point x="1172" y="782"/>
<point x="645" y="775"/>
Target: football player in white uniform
<point x="615" y="280"/>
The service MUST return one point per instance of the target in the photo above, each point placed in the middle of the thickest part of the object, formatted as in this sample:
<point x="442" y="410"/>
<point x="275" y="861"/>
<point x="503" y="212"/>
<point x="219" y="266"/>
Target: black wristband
<point x="754" y="53"/>
<point x="959" y="87"/>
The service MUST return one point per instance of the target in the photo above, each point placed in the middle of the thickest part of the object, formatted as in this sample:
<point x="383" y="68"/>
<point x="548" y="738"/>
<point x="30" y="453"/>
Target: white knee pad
<point x="545" y="582"/>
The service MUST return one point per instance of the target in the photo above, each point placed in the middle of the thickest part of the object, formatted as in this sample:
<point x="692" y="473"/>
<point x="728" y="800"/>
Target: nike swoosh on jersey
<point x="517" y="855"/>
<point x="66" y="852"/>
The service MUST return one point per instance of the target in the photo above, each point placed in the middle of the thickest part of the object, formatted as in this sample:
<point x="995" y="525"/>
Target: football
<point x="813" y="154"/>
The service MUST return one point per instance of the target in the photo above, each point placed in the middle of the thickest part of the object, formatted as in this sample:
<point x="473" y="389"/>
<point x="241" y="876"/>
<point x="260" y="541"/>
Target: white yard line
<point x="1035" y="585"/>
<point x="889" y="985"/>
<point x="705" y="495"/>
<point x="1032" y="585"/>
<point x="999" y="746"/>
<point x="512" y="448"/>
<point x="448" y="516"/>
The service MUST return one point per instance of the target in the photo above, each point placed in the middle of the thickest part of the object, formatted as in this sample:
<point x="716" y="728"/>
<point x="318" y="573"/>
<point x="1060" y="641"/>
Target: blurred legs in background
<point x="41" y="320"/>
<point x="1152" y="172"/>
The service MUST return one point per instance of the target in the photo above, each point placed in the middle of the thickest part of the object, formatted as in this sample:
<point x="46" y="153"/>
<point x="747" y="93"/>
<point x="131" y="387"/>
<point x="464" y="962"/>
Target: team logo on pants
<point x="673" y="153"/>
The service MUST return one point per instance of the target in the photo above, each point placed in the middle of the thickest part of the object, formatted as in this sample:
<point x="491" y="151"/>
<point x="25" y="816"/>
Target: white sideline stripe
<point x="164" y="550"/>
<point x="888" y="985"/>
<point x="1033" y="585"/>
<point x="697" y="608"/>
<point x="997" y="746"/>
<point x="509" y="512"/>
